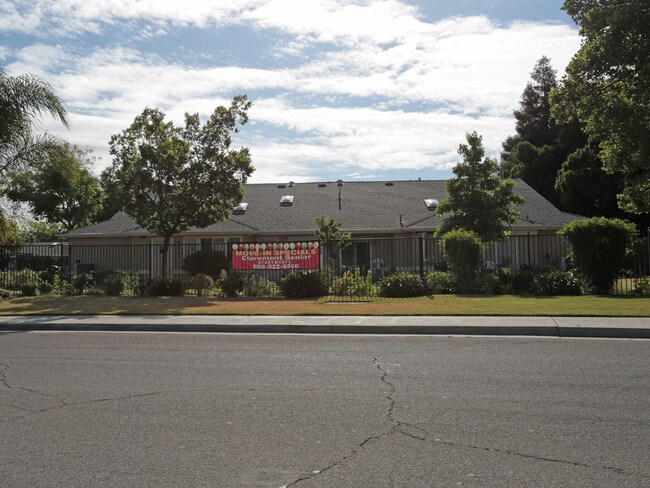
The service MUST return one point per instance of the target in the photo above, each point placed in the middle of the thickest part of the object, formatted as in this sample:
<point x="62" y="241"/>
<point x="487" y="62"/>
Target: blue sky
<point x="341" y="89"/>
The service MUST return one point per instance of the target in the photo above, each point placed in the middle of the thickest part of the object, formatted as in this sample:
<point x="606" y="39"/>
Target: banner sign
<point x="275" y="255"/>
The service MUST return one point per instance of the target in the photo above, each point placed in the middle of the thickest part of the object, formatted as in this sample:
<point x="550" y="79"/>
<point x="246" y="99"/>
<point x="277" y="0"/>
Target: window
<point x="286" y="200"/>
<point x="240" y="209"/>
<point x="431" y="203"/>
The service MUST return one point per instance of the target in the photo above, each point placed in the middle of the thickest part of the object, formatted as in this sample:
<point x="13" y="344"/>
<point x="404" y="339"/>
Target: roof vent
<point x="286" y="200"/>
<point x="339" y="182"/>
<point x="282" y="186"/>
<point x="291" y="184"/>
<point x="322" y="185"/>
<point x="389" y="183"/>
<point x="240" y="209"/>
<point x="431" y="203"/>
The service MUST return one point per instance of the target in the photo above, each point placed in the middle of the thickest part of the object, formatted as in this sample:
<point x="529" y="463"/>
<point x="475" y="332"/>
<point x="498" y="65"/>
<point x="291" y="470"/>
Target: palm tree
<point x="24" y="99"/>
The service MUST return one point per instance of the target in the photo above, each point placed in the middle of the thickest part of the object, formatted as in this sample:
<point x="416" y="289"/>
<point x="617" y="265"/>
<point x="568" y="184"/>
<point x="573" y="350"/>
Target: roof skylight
<point x="286" y="200"/>
<point x="431" y="203"/>
<point x="240" y="209"/>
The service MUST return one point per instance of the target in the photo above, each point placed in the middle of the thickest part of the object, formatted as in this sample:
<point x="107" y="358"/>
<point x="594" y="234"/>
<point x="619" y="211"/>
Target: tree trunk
<point x="164" y="250"/>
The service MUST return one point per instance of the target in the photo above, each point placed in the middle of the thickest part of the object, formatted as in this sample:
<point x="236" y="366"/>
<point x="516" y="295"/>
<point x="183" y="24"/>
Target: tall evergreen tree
<point x="533" y="153"/>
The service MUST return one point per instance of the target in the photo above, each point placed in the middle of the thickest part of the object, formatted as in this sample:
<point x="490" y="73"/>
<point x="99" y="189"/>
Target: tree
<point x="169" y="178"/>
<point x="60" y="189"/>
<point x="534" y="121"/>
<point x="479" y="199"/>
<point x="464" y="250"/>
<point x="535" y="154"/>
<point x="333" y="239"/>
<point x="584" y="187"/>
<point x="23" y="100"/>
<point x="40" y="231"/>
<point x="599" y="246"/>
<point x="9" y="232"/>
<point x="607" y="88"/>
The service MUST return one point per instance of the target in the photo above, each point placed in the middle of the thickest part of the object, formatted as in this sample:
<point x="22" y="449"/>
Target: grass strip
<point x="506" y="305"/>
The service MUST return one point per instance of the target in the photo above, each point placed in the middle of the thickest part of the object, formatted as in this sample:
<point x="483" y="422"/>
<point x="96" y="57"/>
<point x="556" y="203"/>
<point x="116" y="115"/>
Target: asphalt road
<point x="210" y="410"/>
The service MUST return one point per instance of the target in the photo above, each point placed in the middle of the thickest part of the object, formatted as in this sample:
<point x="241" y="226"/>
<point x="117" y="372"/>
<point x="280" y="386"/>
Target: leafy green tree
<point x="599" y="246"/>
<point x="606" y="88"/>
<point x="332" y="238"/>
<point x="9" y="232"/>
<point x="40" y="231"/>
<point x="24" y="100"/>
<point x="169" y="178"/>
<point x="60" y="189"/>
<point x="583" y="186"/>
<point x="479" y="199"/>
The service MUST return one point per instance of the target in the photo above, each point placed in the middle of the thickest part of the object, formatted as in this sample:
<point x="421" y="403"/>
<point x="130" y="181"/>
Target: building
<point x="377" y="213"/>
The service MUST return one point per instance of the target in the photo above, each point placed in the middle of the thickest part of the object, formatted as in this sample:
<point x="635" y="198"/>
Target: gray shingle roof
<point x="365" y="206"/>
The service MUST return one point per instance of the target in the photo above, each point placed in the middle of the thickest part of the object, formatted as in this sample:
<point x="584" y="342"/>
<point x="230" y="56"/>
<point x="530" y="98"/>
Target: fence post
<point x="528" y="246"/>
<point x="421" y="255"/>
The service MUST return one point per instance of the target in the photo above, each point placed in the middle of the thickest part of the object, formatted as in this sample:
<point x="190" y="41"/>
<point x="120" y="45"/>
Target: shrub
<point x="94" y="291"/>
<point x="230" y="284"/>
<point x="599" y="246"/>
<point x="301" y="285"/>
<point x="29" y="289"/>
<point x="112" y="284"/>
<point x="45" y="288"/>
<point x="61" y="286"/>
<point x="505" y="275"/>
<point x="5" y="294"/>
<point x="82" y="281"/>
<point x="464" y="250"/>
<point x="439" y="282"/>
<point x="167" y="287"/>
<point x="102" y="276"/>
<point x="641" y="287"/>
<point x="401" y="285"/>
<point x="490" y="284"/>
<point x="201" y="283"/>
<point x="47" y="276"/>
<point x="258" y="286"/>
<point x="15" y="280"/>
<point x="210" y="263"/>
<point x="354" y="283"/>
<point x="555" y="282"/>
<point x="522" y="280"/>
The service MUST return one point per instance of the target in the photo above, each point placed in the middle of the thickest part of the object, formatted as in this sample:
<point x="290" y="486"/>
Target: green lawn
<point x="435" y="305"/>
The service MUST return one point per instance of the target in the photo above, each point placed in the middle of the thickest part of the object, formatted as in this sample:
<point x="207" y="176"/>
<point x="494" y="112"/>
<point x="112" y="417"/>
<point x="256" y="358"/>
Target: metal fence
<point x="353" y="274"/>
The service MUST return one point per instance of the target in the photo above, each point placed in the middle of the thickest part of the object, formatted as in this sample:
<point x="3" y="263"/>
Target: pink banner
<point x="275" y="255"/>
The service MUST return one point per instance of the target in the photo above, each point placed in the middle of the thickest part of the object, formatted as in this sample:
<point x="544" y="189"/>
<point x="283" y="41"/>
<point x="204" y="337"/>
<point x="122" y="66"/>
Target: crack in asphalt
<point x="536" y="457"/>
<point x="61" y="403"/>
<point x="397" y="427"/>
<point x="5" y="383"/>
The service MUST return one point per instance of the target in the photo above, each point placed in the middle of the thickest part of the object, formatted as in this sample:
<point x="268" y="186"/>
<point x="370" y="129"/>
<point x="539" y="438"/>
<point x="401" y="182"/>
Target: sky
<point x="352" y="90"/>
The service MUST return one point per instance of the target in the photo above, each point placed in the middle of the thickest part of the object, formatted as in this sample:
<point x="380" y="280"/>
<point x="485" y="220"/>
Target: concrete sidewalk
<point x="613" y="327"/>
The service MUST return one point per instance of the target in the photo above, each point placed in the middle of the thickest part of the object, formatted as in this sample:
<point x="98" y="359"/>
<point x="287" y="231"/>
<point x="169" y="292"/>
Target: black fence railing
<point x="257" y="268"/>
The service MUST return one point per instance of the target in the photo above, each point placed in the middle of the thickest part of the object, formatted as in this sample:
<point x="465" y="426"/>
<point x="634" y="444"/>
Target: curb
<point x="123" y="325"/>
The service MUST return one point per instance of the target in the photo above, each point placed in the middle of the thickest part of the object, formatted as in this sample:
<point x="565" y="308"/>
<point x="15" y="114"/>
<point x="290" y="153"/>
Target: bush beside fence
<point x="367" y="268"/>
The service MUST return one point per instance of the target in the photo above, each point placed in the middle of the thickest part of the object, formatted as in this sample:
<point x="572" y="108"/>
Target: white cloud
<point x="391" y="91"/>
